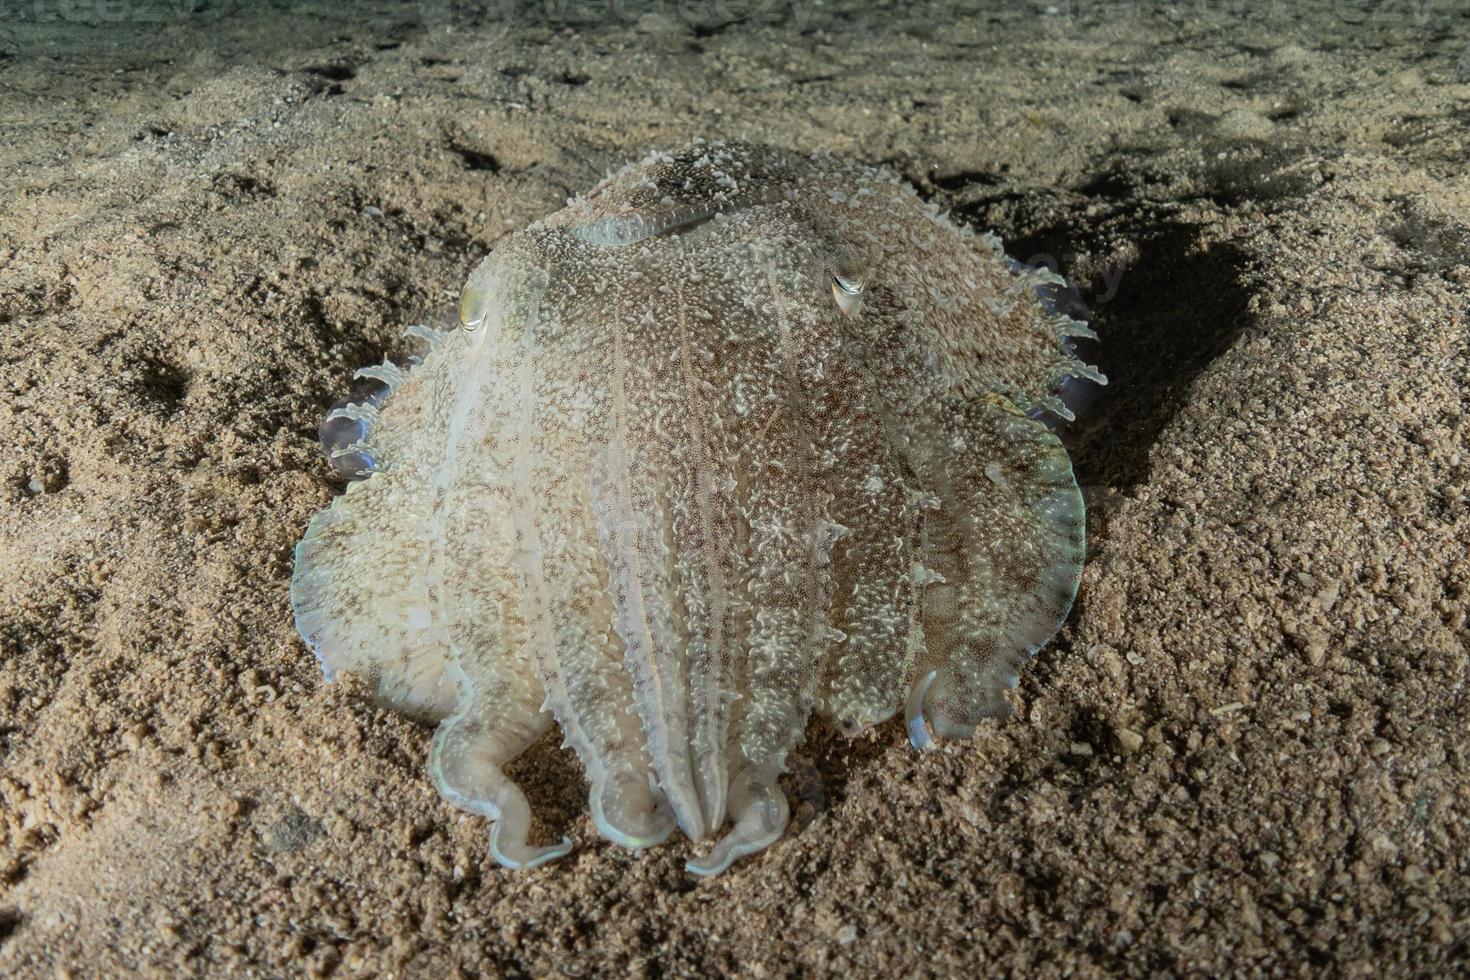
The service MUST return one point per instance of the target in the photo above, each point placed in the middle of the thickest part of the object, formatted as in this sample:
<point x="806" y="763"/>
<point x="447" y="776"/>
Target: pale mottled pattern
<point x="739" y="435"/>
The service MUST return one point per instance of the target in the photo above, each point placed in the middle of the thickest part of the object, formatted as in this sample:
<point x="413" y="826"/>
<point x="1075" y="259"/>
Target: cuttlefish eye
<point x="474" y="304"/>
<point x="849" y="277"/>
<point x="474" y="309"/>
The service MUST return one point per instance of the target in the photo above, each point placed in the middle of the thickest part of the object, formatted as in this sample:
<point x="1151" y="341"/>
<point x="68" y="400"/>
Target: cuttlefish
<point x="740" y="435"/>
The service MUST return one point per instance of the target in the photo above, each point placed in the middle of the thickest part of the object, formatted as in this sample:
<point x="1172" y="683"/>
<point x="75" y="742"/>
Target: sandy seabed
<point x="1246" y="754"/>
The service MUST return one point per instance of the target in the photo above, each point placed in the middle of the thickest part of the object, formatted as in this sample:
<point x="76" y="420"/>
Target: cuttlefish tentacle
<point x="465" y="760"/>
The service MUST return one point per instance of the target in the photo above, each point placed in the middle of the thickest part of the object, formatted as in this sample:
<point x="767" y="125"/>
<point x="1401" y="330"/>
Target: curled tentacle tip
<point x="509" y="847"/>
<point x="651" y="833"/>
<point x="918" y="728"/>
<point x="634" y="830"/>
<point x="919" y="733"/>
<point x="733" y="847"/>
<point x="707" y="866"/>
<point x="522" y="855"/>
<point x="739" y="843"/>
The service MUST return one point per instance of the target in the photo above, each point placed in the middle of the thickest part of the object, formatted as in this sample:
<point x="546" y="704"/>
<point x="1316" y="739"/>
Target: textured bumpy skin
<point x="738" y="435"/>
